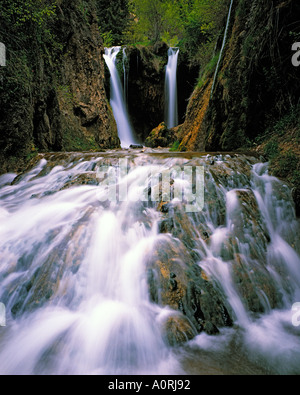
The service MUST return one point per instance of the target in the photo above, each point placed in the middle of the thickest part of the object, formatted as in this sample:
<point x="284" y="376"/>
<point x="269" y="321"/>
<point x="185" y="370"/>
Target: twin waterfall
<point x="119" y="93"/>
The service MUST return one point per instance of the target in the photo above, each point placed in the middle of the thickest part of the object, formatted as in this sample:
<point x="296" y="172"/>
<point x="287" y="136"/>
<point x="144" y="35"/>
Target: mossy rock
<point x="177" y="282"/>
<point x="178" y="330"/>
<point x="161" y="137"/>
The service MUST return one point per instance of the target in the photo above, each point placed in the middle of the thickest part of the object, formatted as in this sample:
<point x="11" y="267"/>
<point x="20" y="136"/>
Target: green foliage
<point x="108" y="39"/>
<point x="193" y="25"/>
<point x="148" y="21"/>
<point x="20" y="12"/>
<point x="113" y="19"/>
<point x="73" y="141"/>
<point x="290" y="120"/>
<point x="171" y="41"/>
<point x="26" y="25"/>
<point x="272" y="149"/>
<point x="287" y="164"/>
<point x="175" y="146"/>
<point x="203" y="23"/>
<point x="208" y="70"/>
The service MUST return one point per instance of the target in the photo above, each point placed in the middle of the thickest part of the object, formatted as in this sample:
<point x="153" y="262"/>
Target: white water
<point x="171" y="89"/>
<point x="100" y="320"/>
<point x="222" y="48"/>
<point x="126" y="76"/>
<point x="125" y="130"/>
<point x="98" y="317"/>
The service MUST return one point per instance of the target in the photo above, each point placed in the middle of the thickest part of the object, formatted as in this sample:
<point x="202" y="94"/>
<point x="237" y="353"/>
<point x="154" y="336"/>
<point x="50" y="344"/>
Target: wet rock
<point x="153" y="285"/>
<point x="183" y="286"/>
<point x="136" y="146"/>
<point x="255" y="286"/>
<point x="16" y="309"/>
<point x="248" y="224"/>
<point x="82" y="179"/>
<point x="160" y="137"/>
<point x="178" y="330"/>
<point x="173" y="282"/>
<point x="166" y="225"/>
<point x="211" y="329"/>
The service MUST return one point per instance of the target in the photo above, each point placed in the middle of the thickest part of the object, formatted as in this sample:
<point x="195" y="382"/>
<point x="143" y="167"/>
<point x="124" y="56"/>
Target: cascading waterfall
<point x="126" y="76"/>
<point x="88" y="283"/>
<point x="222" y="48"/>
<point x="125" y="130"/>
<point x="171" y="111"/>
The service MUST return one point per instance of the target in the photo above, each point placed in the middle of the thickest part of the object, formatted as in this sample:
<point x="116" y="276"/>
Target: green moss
<point x="74" y="141"/>
<point x="208" y="70"/>
<point x="175" y="146"/>
<point x="286" y="165"/>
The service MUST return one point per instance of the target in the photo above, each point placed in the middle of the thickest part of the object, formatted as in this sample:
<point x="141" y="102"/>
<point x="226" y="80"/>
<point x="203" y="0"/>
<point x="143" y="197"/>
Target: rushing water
<point x="126" y="76"/>
<point x="171" y="88"/>
<point x="74" y="268"/>
<point x="118" y="103"/>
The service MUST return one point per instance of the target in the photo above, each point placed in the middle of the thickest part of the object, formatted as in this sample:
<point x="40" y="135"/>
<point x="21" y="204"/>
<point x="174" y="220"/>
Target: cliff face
<point x="255" y="101"/>
<point x="146" y="87"/>
<point x="54" y="99"/>
<point x="83" y="76"/>
<point x="256" y="84"/>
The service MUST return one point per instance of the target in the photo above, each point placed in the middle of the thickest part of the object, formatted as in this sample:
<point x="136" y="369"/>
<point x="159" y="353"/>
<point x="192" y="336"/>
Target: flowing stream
<point x="171" y="88"/>
<point x="118" y="103"/>
<point x="112" y="263"/>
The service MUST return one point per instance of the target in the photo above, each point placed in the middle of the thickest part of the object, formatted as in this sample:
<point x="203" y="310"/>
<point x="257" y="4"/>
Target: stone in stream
<point x="136" y="146"/>
<point x="178" y="330"/>
<point x="176" y="281"/>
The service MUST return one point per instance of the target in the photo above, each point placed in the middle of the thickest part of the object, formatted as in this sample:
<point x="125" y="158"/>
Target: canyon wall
<point x="52" y="94"/>
<point x="256" y="84"/>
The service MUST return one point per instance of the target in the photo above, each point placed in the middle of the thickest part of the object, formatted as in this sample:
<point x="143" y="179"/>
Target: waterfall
<point x="222" y="49"/>
<point x="103" y="269"/>
<point x="125" y="130"/>
<point x="126" y="76"/>
<point x="171" y="110"/>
